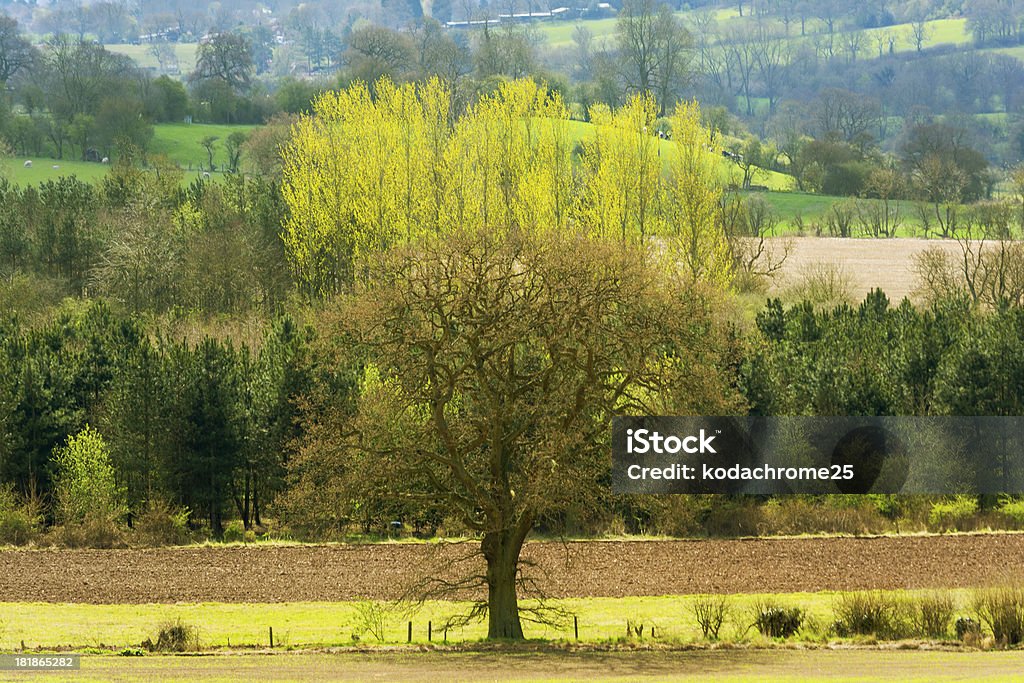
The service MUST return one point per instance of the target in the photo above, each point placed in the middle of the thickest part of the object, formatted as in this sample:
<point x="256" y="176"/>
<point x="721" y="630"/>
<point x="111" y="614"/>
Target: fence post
<point x="410" y="631"/>
<point x="430" y="631"/>
<point x="271" y="637"/>
<point x="576" y="626"/>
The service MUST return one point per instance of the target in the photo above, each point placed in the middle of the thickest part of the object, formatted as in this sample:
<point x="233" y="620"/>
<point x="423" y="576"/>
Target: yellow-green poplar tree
<point x="694" y="192"/>
<point x="622" y="172"/>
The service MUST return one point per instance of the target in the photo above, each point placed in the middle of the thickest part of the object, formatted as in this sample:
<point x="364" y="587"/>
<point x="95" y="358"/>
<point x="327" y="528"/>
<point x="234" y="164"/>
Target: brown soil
<point x="343" y="572"/>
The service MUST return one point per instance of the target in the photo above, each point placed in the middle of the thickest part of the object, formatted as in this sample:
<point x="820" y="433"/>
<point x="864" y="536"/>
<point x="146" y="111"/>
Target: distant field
<point x="186" y="53"/>
<point x="43" y="169"/>
<point x="559" y="33"/>
<point x="178" y="141"/>
<point x="941" y="31"/>
<point x="729" y="172"/>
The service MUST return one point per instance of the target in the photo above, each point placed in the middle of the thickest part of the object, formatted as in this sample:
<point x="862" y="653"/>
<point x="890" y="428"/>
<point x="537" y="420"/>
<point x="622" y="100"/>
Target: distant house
<point x="473" y="23"/>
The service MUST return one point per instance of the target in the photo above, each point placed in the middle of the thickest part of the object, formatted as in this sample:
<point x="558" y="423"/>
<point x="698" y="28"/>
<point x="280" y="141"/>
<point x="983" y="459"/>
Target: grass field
<point x="332" y="624"/>
<point x="940" y="31"/>
<point x="43" y="169"/>
<point x="724" y="666"/>
<point x="729" y="172"/>
<point x="185" y="52"/>
<point x="178" y="141"/>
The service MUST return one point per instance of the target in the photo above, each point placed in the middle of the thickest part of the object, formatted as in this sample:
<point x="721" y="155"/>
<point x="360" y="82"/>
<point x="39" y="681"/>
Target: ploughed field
<point x="276" y="573"/>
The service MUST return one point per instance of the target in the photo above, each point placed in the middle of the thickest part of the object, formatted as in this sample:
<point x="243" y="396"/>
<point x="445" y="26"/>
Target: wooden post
<point x="271" y="637"/>
<point x="430" y="631"/>
<point x="576" y="626"/>
<point x="446" y="635"/>
<point x="410" y="631"/>
<point x="652" y="630"/>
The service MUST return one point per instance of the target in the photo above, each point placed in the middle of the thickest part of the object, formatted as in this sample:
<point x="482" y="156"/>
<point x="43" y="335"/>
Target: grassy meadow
<point x="333" y="624"/>
<point x="185" y="52"/>
<point x="179" y="142"/>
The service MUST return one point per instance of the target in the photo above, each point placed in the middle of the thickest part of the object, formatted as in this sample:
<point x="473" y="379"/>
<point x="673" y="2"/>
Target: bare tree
<point x="655" y="48"/>
<point x="846" y="113"/>
<point x="501" y="362"/>
<point x="772" y="55"/>
<point x="16" y="52"/>
<point x="740" y="60"/>
<point x="920" y="33"/>
<point x="757" y="252"/>
<point x="853" y="43"/>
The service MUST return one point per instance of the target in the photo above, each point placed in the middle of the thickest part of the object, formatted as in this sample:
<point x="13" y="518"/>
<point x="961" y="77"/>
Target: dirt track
<point x="341" y="572"/>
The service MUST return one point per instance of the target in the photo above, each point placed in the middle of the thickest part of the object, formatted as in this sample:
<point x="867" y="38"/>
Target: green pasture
<point x="43" y="169"/>
<point x="179" y="142"/>
<point x="185" y="52"/>
<point x="327" y="624"/>
<point x="558" y="34"/>
<point x="580" y="130"/>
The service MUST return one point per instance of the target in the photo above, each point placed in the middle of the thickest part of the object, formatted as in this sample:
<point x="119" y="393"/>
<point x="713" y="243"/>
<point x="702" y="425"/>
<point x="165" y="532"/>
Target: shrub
<point x="776" y="621"/>
<point x="98" y="530"/>
<point x="162" y="524"/>
<point x="734" y="518"/>
<point x="794" y="515"/>
<point x="85" y="480"/>
<point x="823" y="285"/>
<point x="19" y="524"/>
<point x="175" y="636"/>
<point x="678" y="516"/>
<point x="1012" y="511"/>
<point x="931" y="613"/>
<point x="711" y="612"/>
<point x="234" y="532"/>
<point x="372" y="617"/>
<point x="967" y="629"/>
<point x="16" y="528"/>
<point x="868" y="613"/>
<point x="956" y="514"/>
<point x="1001" y="609"/>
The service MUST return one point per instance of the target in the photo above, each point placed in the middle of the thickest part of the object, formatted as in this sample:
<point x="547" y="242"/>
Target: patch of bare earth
<point x="578" y="569"/>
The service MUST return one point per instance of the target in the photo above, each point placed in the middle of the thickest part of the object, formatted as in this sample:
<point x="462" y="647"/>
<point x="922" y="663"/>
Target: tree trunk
<point x="501" y="550"/>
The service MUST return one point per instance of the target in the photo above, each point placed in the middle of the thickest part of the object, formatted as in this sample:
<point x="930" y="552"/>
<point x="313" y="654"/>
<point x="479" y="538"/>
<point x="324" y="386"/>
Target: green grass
<point x="941" y="31"/>
<point x="729" y="172"/>
<point x="186" y="53"/>
<point x="42" y="170"/>
<point x="316" y="624"/>
<point x="559" y="34"/>
<point x="180" y="141"/>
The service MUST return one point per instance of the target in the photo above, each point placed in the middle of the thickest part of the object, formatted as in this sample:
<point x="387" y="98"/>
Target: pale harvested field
<point x="869" y="263"/>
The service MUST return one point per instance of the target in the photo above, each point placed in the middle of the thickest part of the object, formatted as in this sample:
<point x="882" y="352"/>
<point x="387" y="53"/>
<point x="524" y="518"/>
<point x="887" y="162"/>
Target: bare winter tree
<point x="497" y="365"/>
